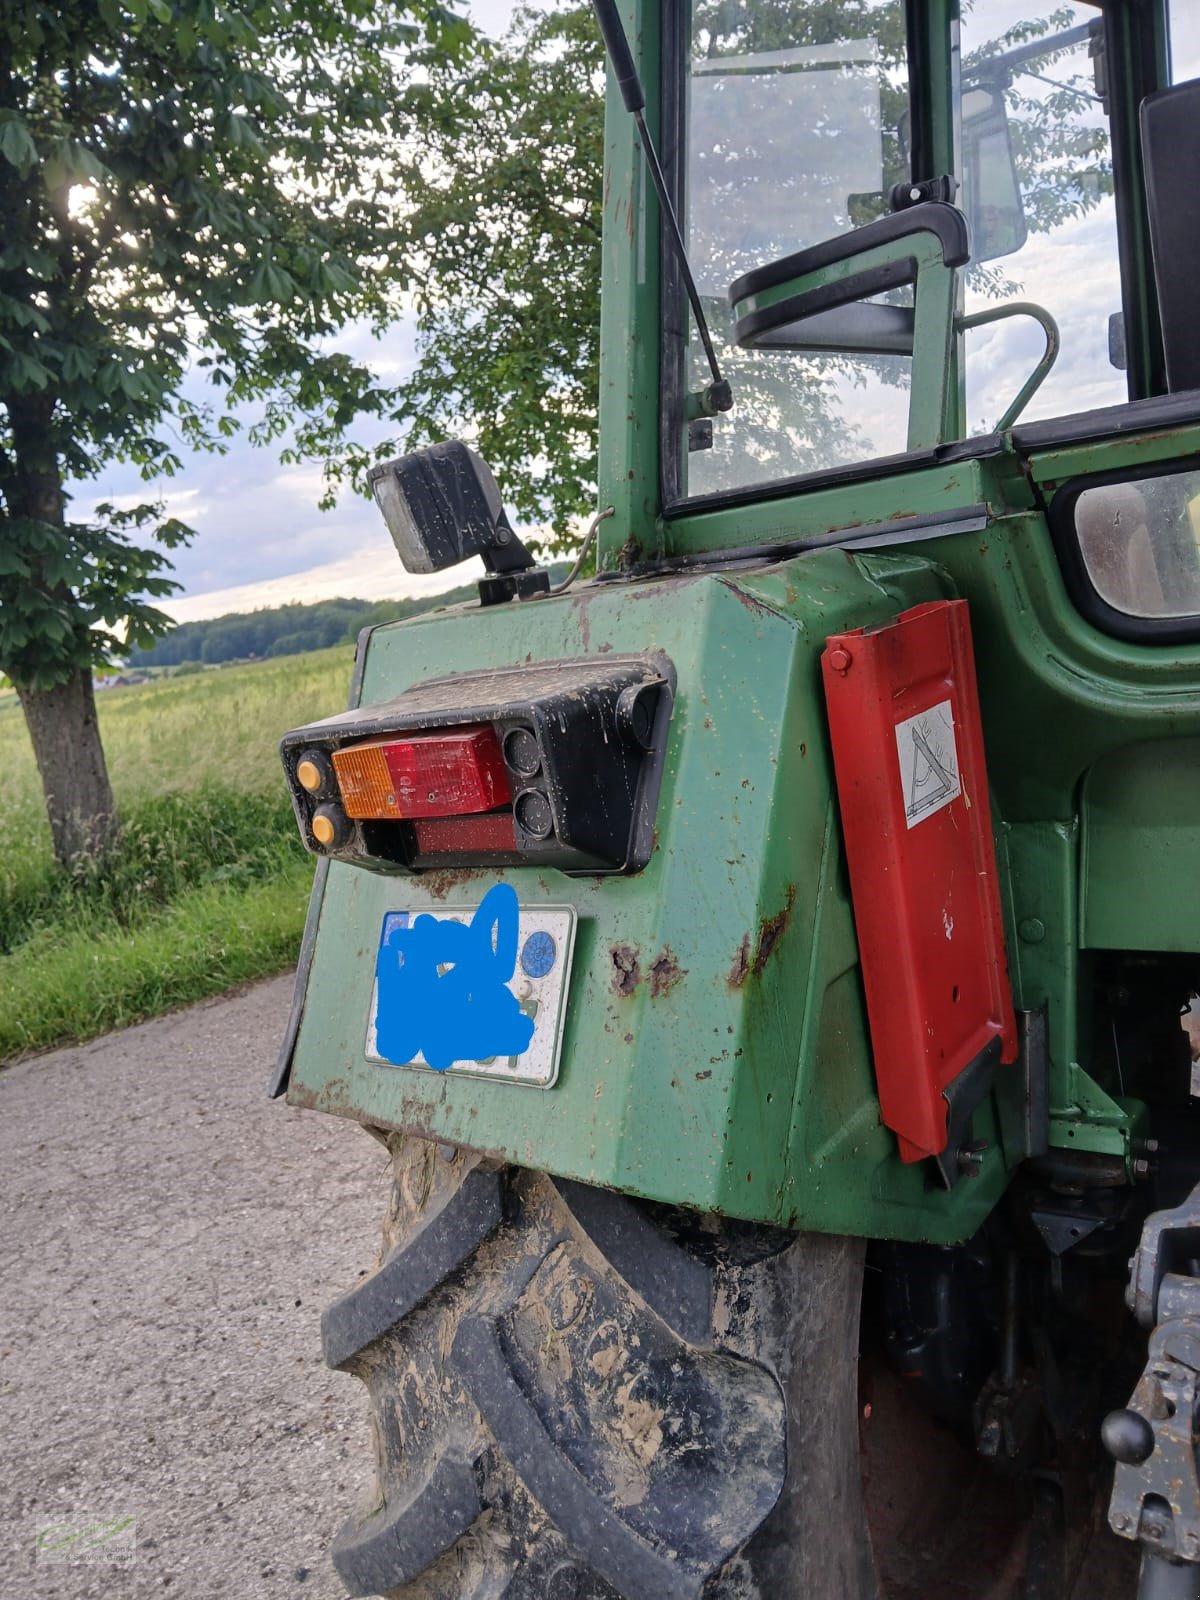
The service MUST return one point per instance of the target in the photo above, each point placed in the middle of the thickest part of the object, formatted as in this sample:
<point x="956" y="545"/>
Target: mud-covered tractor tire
<point x="577" y="1397"/>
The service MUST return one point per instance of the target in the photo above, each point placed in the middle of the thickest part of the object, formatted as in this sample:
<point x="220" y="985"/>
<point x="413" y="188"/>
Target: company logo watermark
<point x="86" y="1539"/>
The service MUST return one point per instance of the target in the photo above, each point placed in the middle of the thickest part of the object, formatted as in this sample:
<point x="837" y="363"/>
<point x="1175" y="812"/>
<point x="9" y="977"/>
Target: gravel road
<point x="169" y="1240"/>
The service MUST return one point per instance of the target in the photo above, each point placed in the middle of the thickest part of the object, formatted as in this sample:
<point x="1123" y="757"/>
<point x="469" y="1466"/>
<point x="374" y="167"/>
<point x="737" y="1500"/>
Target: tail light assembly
<point x="556" y="763"/>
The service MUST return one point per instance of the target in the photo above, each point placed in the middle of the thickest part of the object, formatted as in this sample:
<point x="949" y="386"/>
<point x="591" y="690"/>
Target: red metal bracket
<point x="912" y="785"/>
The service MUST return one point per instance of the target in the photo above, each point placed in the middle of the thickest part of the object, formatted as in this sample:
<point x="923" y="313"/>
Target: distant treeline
<point x="284" y="630"/>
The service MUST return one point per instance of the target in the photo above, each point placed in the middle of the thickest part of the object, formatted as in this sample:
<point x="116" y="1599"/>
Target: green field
<point x="209" y="885"/>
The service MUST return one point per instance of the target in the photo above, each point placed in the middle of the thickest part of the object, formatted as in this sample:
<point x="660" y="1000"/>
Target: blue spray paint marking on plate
<point x="442" y="986"/>
<point x="537" y="954"/>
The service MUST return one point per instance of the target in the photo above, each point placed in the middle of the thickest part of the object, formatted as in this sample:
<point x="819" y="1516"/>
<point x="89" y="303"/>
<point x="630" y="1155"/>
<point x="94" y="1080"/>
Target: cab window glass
<point x="1140" y="543"/>
<point x="794" y="115"/>
<point x="1185" y="40"/>
<point x="1037" y="185"/>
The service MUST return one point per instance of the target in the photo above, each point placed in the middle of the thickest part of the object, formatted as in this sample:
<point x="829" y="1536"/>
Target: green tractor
<point x="769" y="961"/>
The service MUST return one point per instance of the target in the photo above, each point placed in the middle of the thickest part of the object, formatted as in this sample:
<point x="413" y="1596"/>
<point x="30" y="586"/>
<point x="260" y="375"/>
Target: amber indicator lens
<point x="425" y="775"/>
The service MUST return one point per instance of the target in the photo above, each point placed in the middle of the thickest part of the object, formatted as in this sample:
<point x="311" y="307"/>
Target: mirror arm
<point x="1020" y="308"/>
<point x="1000" y="70"/>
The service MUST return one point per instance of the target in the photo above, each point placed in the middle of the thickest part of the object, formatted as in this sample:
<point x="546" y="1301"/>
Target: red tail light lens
<point x="448" y="774"/>
<point x="494" y="834"/>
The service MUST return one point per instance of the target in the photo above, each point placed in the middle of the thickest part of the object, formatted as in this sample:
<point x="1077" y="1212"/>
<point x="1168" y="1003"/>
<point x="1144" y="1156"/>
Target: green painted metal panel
<point x="629" y="336"/>
<point x="715" y="1051"/>
<point x="1056" y="694"/>
<point x="1052" y="468"/>
<point x="1141" y="829"/>
<point x="891" y="496"/>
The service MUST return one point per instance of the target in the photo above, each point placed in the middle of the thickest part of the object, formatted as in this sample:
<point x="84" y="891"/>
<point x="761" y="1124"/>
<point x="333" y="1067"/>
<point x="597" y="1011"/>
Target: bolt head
<point x="839" y="659"/>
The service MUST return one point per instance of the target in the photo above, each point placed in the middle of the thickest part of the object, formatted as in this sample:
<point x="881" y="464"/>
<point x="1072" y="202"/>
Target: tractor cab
<point x="886" y="279"/>
<point x="858" y="329"/>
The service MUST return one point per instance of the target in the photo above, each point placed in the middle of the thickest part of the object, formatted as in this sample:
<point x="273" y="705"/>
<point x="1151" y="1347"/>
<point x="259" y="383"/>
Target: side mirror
<point x="1170" y="123"/>
<point x="990" y="193"/>
<point x="442" y="506"/>
<point x="991" y="190"/>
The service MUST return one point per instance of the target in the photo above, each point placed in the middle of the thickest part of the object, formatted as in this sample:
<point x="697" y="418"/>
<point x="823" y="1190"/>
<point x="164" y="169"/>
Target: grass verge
<point x="69" y="985"/>
<point x="209" y="885"/>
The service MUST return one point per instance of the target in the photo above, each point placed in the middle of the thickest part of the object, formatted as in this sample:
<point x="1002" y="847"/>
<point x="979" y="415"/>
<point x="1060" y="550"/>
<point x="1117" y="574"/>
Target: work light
<point x="442" y="506"/>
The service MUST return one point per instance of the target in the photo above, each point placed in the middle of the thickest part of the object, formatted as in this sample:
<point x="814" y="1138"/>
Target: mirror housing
<point x="1170" y="126"/>
<point x="991" y="189"/>
<point x="442" y="506"/>
<point x="990" y="193"/>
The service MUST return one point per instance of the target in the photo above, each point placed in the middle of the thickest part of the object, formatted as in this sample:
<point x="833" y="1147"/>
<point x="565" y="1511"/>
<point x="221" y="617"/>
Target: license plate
<point x="541" y="976"/>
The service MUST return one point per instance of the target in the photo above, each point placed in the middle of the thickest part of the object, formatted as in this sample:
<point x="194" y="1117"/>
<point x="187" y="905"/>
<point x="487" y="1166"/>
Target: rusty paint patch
<point x="665" y="973"/>
<point x="740" y="970"/>
<point x="333" y="1097"/>
<point x="583" y="609"/>
<point x="771" y="930"/>
<point x="626" y="973"/>
<point x="751" y="602"/>
<point x="440" y="884"/>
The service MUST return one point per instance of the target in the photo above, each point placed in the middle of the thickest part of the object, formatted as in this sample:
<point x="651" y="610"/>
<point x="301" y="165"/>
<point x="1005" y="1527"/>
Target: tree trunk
<point x="62" y="720"/>
<point x="66" y="742"/>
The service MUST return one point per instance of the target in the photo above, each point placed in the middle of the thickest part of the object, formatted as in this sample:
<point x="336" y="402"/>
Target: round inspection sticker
<point x="537" y="954"/>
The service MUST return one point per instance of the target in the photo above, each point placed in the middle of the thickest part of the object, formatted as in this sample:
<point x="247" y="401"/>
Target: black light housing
<point x="583" y="744"/>
<point x="442" y="506"/>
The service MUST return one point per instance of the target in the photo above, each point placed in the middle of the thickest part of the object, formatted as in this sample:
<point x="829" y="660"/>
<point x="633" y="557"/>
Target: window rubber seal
<point x="1084" y="595"/>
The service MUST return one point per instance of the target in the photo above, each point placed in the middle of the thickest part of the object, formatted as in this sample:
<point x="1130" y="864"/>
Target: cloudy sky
<point x="262" y="541"/>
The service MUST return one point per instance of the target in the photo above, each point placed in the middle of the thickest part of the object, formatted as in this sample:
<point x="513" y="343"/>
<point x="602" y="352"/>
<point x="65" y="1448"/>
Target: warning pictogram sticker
<point x="928" y="762"/>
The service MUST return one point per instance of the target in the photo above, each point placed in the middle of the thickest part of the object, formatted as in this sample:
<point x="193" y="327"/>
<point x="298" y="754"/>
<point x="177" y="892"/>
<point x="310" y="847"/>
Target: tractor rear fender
<point x="715" y="1047"/>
